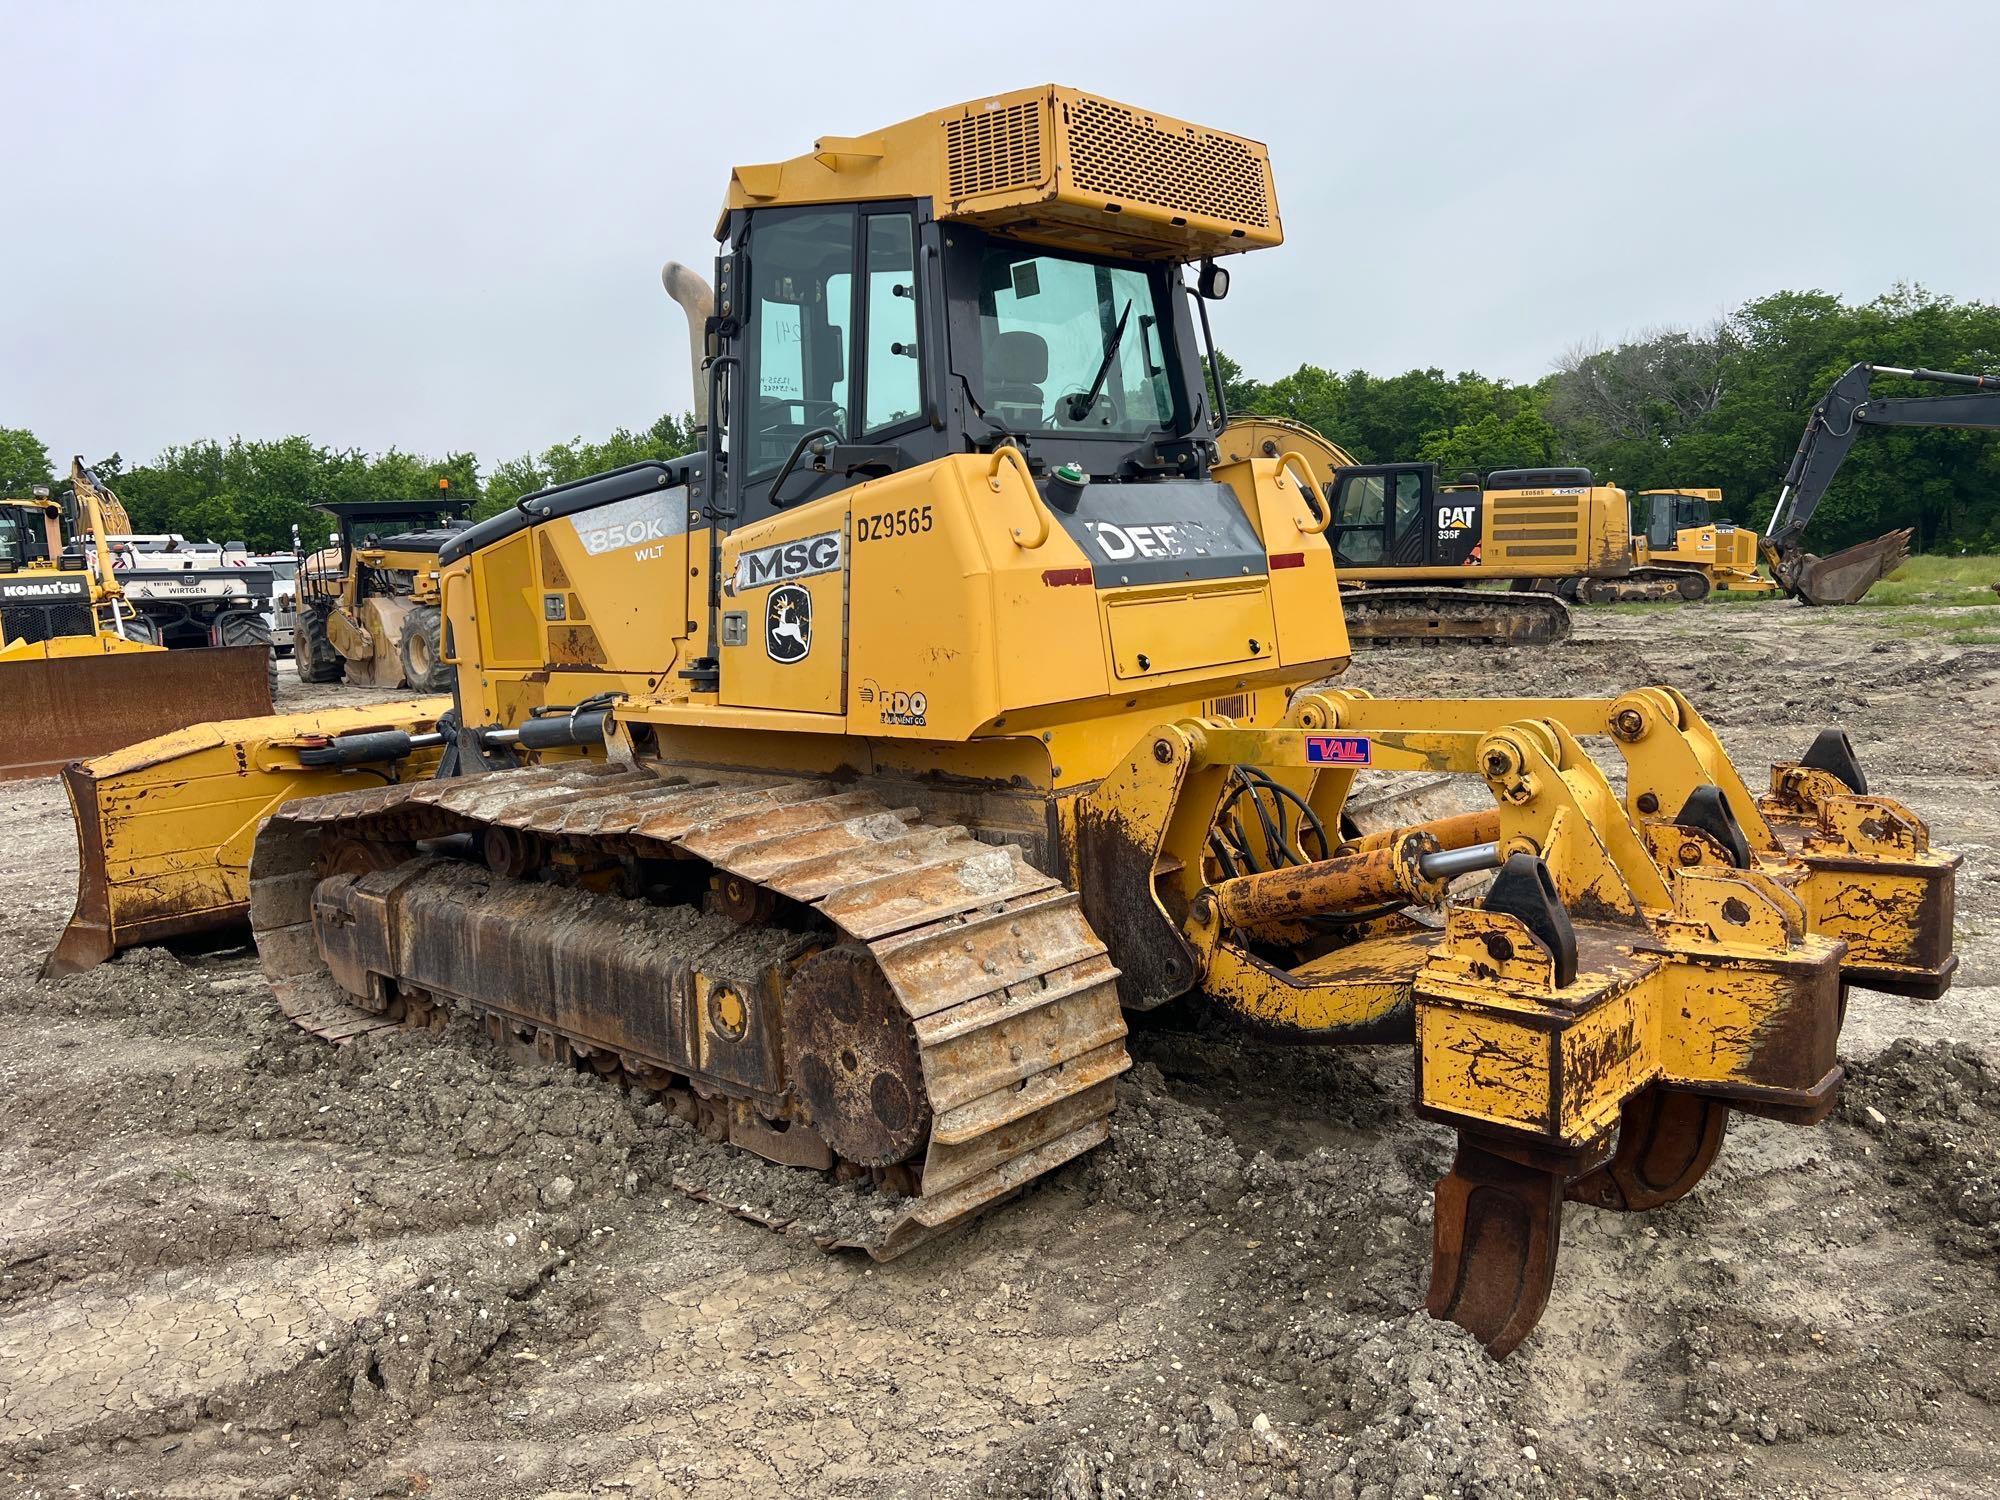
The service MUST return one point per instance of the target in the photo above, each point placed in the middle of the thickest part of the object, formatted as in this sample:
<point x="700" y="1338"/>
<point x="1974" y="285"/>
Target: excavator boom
<point x="1836" y="421"/>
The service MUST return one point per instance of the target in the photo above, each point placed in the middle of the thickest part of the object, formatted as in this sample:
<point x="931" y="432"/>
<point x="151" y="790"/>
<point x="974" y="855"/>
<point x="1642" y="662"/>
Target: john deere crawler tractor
<point x="852" y="780"/>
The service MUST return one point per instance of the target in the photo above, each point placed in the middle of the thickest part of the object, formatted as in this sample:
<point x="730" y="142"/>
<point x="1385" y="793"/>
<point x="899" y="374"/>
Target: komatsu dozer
<point x="852" y="780"/>
<point x="80" y="671"/>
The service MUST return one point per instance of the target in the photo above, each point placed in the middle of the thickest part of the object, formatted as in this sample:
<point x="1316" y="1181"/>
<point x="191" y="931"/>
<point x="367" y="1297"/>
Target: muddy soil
<point x="237" y="1262"/>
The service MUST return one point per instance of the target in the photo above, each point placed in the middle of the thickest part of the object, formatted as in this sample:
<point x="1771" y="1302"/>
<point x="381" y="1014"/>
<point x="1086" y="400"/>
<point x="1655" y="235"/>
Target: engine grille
<point x="995" y="151"/>
<point x="1122" y="154"/>
<point x="45" y="622"/>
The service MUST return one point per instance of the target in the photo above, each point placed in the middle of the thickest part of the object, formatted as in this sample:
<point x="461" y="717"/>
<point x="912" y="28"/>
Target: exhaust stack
<point x="697" y="300"/>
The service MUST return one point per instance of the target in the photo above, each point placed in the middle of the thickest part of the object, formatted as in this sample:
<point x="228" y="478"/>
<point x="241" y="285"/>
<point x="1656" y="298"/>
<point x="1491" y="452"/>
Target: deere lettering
<point x="1123" y="543"/>
<point x="782" y="561"/>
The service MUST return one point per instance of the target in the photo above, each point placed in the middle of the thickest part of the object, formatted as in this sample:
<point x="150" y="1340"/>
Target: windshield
<point x="1070" y="345"/>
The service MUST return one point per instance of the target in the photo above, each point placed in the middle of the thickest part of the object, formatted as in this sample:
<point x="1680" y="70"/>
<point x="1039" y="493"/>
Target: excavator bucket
<point x="164" y="828"/>
<point x="1847" y="575"/>
<point x="60" y="708"/>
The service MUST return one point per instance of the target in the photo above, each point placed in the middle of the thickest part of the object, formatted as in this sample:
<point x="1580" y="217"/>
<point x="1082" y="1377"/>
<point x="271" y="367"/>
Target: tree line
<point x="1715" y="407"/>
<point x="1720" y="407"/>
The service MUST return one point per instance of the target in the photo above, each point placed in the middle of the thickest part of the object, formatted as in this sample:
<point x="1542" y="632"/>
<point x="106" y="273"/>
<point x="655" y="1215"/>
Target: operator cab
<point x="1672" y="513"/>
<point x="877" y="338"/>
<point x="1400" y="516"/>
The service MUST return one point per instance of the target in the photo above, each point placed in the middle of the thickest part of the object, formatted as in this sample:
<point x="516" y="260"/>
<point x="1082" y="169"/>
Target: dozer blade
<point x="1847" y="575"/>
<point x="62" y="708"/>
<point x="164" y="828"/>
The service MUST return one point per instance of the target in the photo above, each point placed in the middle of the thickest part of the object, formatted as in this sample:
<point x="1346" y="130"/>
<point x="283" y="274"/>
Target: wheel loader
<point x="81" y="671"/>
<point x="852" y="780"/>
<point x="368" y="603"/>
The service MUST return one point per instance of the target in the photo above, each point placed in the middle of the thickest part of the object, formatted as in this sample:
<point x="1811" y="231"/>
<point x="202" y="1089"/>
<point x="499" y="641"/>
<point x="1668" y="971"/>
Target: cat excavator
<point x="851" y="781"/>
<point x="1837" y="420"/>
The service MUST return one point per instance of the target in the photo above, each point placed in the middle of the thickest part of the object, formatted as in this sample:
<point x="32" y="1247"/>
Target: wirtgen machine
<point x="368" y="604"/>
<point x="852" y="780"/>
<point x="81" y="669"/>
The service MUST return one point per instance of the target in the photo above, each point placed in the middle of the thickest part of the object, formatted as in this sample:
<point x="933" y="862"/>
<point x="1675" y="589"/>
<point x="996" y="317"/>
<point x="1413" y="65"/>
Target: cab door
<point x="1381" y="516"/>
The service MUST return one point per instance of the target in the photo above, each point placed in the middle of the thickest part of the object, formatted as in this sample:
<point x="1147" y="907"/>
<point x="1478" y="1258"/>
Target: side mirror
<point x="1211" y="283"/>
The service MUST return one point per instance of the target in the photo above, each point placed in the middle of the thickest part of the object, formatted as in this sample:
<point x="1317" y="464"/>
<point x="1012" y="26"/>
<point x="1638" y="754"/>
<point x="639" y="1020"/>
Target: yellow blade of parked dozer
<point x="164" y="828"/>
<point x="61" y="706"/>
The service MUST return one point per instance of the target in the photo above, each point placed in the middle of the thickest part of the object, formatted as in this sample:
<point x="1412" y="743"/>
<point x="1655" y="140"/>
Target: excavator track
<point x="1464" y="616"/>
<point x="829" y="979"/>
<point x="1647" y="586"/>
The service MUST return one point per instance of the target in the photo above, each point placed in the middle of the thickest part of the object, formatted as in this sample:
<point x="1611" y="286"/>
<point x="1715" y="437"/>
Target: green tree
<point x="24" y="462"/>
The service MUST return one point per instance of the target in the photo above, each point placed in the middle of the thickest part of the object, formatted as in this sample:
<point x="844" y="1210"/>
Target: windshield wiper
<point x="1080" y="405"/>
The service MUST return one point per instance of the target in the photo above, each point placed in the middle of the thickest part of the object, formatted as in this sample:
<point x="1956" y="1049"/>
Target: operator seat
<point x="1016" y="365"/>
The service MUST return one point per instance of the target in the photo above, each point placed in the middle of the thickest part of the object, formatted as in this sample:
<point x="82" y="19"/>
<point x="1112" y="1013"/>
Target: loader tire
<point x="422" y="652"/>
<point x="241" y="628"/>
<point x="313" y="652"/>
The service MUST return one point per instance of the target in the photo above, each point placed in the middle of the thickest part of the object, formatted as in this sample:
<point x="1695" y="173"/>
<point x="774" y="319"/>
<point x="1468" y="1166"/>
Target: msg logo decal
<point x="1337" y="749"/>
<point x="787" y="560"/>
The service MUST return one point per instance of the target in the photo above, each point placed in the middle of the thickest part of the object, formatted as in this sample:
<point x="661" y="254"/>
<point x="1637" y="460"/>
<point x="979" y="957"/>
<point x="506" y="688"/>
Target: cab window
<point x="893" y="380"/>
<point x="802" y="274"/>
<point x="1358" y="518"/>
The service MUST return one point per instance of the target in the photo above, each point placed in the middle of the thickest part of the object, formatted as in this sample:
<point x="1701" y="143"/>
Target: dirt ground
<point x="234" y="1261"/>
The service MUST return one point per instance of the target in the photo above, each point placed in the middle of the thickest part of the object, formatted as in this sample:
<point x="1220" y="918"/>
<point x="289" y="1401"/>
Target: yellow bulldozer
<point x="852" y="780"/>
<point x="80" y="671"/>
<point x="368" y="603"/>
<point x="1698" y="553"/>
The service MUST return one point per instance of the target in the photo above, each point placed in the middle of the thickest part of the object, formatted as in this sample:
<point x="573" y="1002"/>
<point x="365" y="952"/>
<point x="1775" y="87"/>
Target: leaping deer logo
<point x="788" y="624"/>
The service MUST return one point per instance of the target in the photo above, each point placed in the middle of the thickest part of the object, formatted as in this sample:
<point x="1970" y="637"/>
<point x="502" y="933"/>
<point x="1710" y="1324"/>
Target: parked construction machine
<point x="1684" y="540"/>
<point x="1412" y="551"/>
<point x="82" y="670"/>
<point x="851" y="780"/>
<point x="1837" y="420"/>
<point x="367" y="605"/>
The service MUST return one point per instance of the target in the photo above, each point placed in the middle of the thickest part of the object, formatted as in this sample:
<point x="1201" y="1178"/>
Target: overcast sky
<point x="439" y="226"/>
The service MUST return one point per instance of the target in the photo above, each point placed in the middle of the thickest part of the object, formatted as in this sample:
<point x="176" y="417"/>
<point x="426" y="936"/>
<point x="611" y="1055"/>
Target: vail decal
<point x="786" y="560"/>
<point x="788" y="624"/>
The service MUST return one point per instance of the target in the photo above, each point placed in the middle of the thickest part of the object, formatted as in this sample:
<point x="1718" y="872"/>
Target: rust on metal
<point x="1495" y="1231"/>
<point x="977" y="1007"/>
<point x="1667" y="1140"/>
<point x="61" y="709"/>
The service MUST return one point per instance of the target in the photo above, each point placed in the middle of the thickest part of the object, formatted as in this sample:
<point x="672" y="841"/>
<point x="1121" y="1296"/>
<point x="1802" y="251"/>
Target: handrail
<point x="1301" y="467"/>
<point x="1002" y="456"/>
